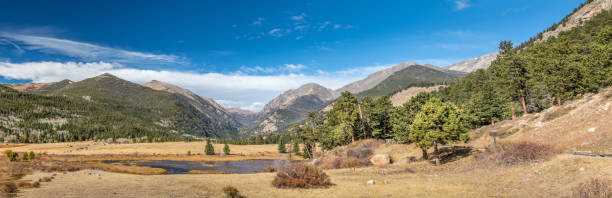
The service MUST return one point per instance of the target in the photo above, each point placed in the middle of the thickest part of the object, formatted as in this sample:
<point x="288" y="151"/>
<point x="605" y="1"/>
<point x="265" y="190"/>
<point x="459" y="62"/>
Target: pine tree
<point x="296" y="148"/>
<point x="281" y="146"/>
<point x="209" y="149"/>
<point x="403" y="116"/>
<point x="226" y="149"/>
<point x="437" y="123"/>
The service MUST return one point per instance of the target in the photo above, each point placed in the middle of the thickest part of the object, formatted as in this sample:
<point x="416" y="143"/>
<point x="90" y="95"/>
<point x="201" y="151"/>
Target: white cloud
<point x="295" y="66"/>
<point x="248" y="90"/>
<point x="324" y="25"/>
<point x="299" y="17"/>
<point x="258" y="21"/>
<point x="85" y="51"/>
<point x="462" y="4"/>
<point x="277" y="32"/>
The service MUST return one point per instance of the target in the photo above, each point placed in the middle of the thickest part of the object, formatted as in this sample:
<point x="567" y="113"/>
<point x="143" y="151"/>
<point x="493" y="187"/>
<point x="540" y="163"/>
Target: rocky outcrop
<point x="481" y="62"/>
<point x="288" y="97"/>
<point x="380" y="160"/>
<point x="585" y="13"/>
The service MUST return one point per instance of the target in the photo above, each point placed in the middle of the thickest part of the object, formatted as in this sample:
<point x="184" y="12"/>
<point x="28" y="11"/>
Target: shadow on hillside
<point x="453" y="153"/>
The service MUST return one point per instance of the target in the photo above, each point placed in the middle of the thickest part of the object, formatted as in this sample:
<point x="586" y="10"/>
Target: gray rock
<point x="380" y="159"/>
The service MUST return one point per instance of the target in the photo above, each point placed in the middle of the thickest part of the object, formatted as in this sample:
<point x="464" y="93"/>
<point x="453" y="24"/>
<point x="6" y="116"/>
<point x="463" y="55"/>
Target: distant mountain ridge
<point x="173" y="108"/>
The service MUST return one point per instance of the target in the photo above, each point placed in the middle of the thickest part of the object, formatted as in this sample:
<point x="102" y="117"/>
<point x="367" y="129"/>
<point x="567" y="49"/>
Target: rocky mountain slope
<point x="205" y="105"/>
<point x="584" y="13"/>
<point x="288" y="108"/>
<point x="40" y="88"/>
<point x="244" y="117"/>
<point x="412" y="76"/>
<point x="372" y="80"/>
<point x="481" y="62"/>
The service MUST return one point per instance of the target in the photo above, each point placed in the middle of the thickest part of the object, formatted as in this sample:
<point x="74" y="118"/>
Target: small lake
<point x="183" y="167"/>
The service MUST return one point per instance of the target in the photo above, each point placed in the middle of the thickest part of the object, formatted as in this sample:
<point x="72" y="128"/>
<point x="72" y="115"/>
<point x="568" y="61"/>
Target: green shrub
<point x="209" y="149"/>
<point x="296" y="148"/>
<point x="188" y="152"/>
<point x="31" y="155"/>
<point x="13" y="157"/>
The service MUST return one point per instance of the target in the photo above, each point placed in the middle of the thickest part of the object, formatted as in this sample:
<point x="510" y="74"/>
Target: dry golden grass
<point x="581" y="125"/>
<point x="554" y="178"/>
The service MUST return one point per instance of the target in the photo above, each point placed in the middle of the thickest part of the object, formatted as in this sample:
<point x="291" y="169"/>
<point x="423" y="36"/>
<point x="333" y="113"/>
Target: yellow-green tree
<point x="438" y="123"/>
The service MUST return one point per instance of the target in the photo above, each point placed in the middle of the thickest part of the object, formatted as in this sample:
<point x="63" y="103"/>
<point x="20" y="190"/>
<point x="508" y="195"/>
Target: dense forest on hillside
<point x="523" y="79"/>
<point x="104" y="108"/>
<point x="27" y="118"/>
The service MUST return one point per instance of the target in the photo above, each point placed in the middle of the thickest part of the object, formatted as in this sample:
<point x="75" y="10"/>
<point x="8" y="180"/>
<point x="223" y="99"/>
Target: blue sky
<point x="244" y="53"/>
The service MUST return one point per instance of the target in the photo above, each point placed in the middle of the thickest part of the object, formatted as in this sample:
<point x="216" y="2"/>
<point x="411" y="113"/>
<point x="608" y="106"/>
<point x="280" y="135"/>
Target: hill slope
<point x="372" y="80"/>
<point x="412" y="76"/>
<point x="481" y="62"/>
<point x="108" y="107"/>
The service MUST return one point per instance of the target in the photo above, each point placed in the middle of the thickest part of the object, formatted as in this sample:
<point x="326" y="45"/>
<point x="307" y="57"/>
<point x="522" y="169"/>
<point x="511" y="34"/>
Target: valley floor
<point x="553" y="178"/>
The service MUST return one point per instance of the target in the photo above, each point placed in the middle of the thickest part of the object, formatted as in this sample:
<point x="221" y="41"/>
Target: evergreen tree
<point x="437" y="123"/>
<point x="226" y="149"/>
<point x="296" y="148"/>
<point x="403" y="116"/>
<point x="509" y="69"/>
<point x="209" y="149"/>
<point x="281" y="146"/>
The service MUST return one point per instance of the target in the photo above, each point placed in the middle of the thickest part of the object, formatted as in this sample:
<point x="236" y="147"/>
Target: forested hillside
<point x="522" y="80"/>
<point x="104" y="108"/>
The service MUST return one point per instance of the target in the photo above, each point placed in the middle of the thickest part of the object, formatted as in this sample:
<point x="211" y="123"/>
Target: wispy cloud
<point x="258" y="21"/>
<point x="247" y="89"/>
<point x="462" y="4"/>
<point x="299" y="17"/>
<point x="84" y="51"/>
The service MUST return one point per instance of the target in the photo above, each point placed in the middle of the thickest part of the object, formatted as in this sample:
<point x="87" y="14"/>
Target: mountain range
<point x="161" y="110"/>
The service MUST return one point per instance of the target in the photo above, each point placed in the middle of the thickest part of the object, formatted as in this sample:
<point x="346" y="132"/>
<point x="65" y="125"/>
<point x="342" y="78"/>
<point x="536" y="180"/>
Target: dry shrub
<point x="594" y="188"/>
<point x="353" y="155"/>
<point x="301" y="175"/>
<point x="520" y="152"/>
<point x="7" y="189"/>
<point x="45" y="179"/>
<point x="23" y="184"/>
<point x="231" y="192"/>
<point x="35" y="184"/>
<point x="557" y="113"/>
<point x="268" y="170"/>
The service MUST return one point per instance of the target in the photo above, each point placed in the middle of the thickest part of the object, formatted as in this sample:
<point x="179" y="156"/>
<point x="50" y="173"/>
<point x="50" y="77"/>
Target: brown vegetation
<point x="353" y="155"/>
<point x="594" y="188"/>
<point x="300" y="175"/>
<point x="513" y="153"/>
<point x="231" y="192"/>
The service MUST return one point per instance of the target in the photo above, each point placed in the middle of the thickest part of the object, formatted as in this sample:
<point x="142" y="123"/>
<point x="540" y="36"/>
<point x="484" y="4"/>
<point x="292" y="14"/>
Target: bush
<point x="594" y="188"/>
<point x="7" y="189"/>
<point x="354" y="155"/>
<point x="188" y="152"/>
<point x="45" y="179"/>
<point x="226" y="149"/>
<point x="300" y="175"/>
<point x="513" y="153"/>
<point x="209" y="149"/>
<point x="280" y="164"/>
<point x="31" y="155"/>
<point x="231" y="192"/>
<point x="13" y="156"/>
<point x="268" y="170"/>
